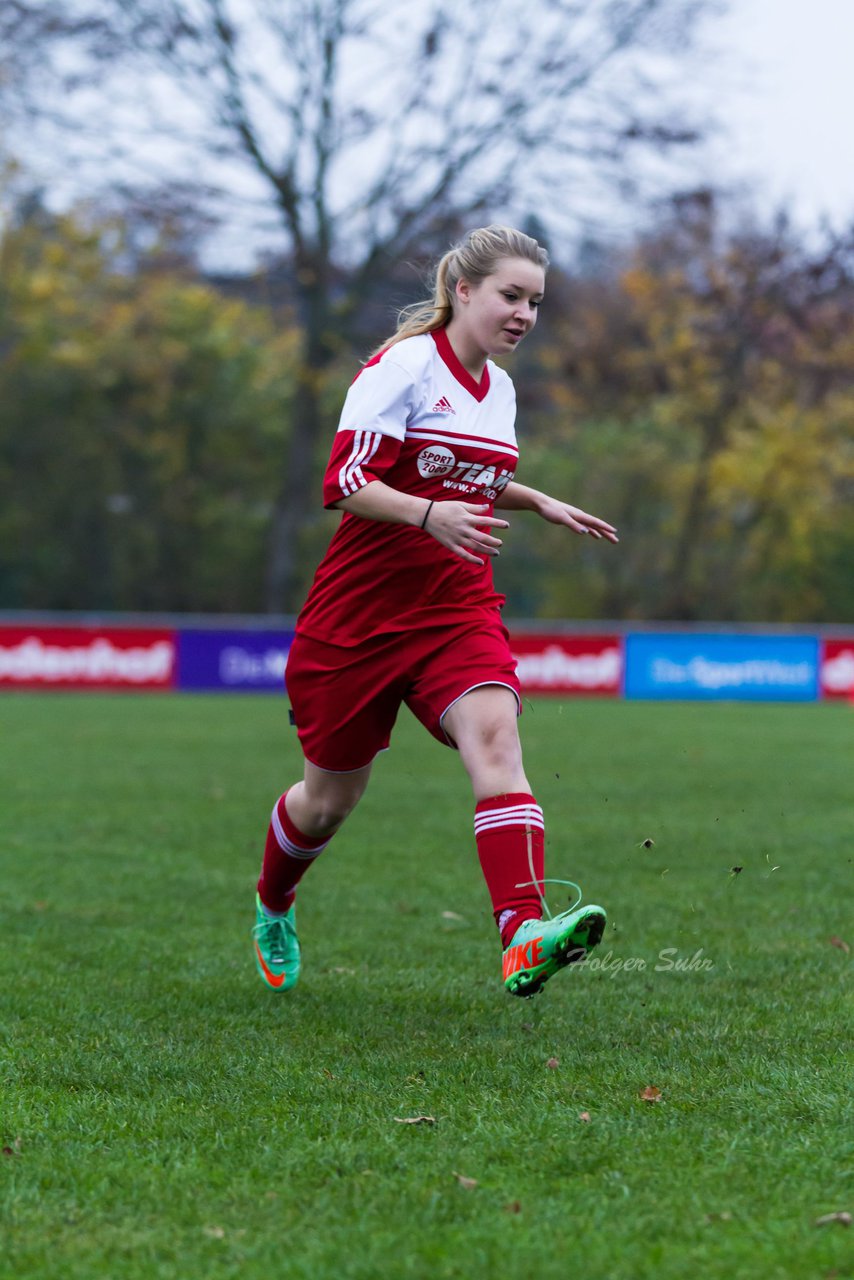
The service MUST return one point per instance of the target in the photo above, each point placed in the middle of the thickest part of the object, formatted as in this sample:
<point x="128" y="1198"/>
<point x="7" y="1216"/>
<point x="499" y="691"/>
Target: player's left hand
<point x="577" y="520"/>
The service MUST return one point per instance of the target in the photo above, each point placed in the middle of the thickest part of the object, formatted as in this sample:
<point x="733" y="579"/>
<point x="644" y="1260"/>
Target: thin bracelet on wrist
<point x="423" y="523"/>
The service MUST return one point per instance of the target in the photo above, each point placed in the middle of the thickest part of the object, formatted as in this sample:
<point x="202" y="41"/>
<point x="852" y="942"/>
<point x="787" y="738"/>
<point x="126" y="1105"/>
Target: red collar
<point x="446" y="351"/>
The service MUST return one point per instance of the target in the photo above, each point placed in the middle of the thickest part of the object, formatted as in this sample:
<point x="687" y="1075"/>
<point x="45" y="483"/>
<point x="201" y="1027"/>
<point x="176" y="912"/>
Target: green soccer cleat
<point x="540" y="947"/>
<point x="277" y="952"/>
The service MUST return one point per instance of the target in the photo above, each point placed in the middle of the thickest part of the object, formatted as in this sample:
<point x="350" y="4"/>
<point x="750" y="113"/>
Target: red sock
<point x="288" y="854"/>
<point x="510" y="844"/>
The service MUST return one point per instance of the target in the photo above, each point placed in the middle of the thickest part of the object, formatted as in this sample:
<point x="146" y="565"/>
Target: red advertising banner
<point x="577" y="664"/>
<point x="836" y="668"/>
<point x="86" y="658"/>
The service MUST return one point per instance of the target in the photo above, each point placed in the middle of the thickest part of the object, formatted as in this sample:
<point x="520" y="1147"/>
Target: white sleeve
<point x="382" y="398"/>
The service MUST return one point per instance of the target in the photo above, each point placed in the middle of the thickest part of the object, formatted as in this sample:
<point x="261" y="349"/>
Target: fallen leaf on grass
<point x="468" y="1184"/>
<point x="553" y="1064"/>
<point x="725" y="1216"/>
<point x="585" y="1116"/>
<point x="513" y="1207"/>
<point x="840" y="943"/>
<point x="14" y="1150"/>
<point x="452" y="915"/>
<point x="215" y="1233"/>
<point x="650" y="1094"/>
<point x="340" y="969"/>
<point x="415" y="1119"/>
<point x="844" y="1219"/>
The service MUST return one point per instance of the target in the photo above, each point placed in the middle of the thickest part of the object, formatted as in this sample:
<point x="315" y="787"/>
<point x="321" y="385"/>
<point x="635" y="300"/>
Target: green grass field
<point x="164" y="1115"/>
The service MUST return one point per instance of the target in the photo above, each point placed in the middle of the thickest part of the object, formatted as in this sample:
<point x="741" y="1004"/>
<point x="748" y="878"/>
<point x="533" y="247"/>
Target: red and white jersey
<point x="417" y="420"/>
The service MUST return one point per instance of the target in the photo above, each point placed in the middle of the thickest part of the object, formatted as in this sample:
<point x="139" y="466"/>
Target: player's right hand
<point x="463" y="528"/>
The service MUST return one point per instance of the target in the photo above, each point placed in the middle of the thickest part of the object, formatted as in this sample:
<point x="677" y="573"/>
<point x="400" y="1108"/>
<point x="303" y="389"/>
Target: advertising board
<point x="837" y="668"/>
<point x="91" y="657"/>
<point x="241" y="661"/>
<point x="569" y="664"/>
<point x="760" y="668"/>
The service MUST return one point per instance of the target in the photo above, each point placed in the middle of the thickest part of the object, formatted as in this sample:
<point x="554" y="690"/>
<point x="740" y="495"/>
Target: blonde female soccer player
<point x="403" y="607"/>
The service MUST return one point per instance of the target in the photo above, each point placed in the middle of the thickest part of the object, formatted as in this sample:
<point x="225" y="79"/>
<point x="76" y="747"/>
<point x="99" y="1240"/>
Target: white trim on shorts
<point x="484" y="684"/>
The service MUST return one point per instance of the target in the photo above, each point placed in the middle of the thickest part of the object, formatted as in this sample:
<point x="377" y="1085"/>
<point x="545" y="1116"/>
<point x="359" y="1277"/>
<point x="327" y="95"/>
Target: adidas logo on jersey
<point x="443" y="406"/>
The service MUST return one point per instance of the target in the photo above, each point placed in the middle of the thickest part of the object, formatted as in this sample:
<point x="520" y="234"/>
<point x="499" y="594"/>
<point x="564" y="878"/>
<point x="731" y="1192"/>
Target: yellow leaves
<point x="640" y="285"/>
<point x="147" y="385"/>
<point x="72" y="353"/>
<point x="42" y="285"/>
<point x="55" y="254"/>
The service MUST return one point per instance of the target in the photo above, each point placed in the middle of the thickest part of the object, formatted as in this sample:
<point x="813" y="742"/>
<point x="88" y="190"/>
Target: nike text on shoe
<point x="540" y="947"/>
<point x="276" y="945"/>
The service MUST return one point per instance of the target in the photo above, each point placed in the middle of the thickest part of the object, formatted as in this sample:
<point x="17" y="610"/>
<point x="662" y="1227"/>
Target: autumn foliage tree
<point x="698" y="390"/>
<point x="140" y="429"/>
<point x="366" y="134"/>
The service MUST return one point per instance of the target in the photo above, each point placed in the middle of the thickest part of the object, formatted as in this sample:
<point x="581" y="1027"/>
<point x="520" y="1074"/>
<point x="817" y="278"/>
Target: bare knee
<point x="496" y="744"/>
<point x="493" y="760"/>
<point x="323" y="801"/>
<point x="330" y="811"/>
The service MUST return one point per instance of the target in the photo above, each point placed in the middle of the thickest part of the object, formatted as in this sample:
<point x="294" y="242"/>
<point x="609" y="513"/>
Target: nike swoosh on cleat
<point x="274" y="979"/>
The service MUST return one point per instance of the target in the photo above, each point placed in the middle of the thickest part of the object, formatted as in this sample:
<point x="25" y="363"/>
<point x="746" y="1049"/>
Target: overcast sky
<point x="781" y="81"/>
<point x="790" y="109"/>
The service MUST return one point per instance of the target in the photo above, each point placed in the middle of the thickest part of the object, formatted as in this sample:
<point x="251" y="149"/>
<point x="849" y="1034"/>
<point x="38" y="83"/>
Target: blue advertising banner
<point x="757" y="668"/>
<point x="239" y="660"/>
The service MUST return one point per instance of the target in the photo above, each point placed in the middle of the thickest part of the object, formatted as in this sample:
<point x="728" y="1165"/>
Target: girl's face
<point x="498" y="312"/>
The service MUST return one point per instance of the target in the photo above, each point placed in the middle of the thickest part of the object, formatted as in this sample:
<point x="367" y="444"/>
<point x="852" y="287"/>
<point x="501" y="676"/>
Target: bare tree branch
<point x="367" y="126"/>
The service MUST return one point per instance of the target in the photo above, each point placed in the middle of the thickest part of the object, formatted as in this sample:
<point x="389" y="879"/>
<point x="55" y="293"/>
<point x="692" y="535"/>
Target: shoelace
<point x="276" y="930"/>
<point x="527" y="884"/>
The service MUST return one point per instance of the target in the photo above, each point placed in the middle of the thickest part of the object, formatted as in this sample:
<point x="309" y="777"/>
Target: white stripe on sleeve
<point x="365" y="444"/>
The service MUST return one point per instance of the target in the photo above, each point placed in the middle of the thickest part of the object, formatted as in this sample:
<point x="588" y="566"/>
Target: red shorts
<point x="346" y="699"/>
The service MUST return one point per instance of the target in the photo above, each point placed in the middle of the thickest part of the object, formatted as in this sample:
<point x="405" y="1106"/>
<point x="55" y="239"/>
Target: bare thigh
<point x="483" y="723"/>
